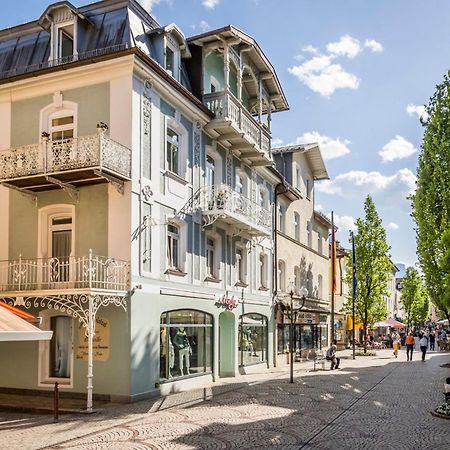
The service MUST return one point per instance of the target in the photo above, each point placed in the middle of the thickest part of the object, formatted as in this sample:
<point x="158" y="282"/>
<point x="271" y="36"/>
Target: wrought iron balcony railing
<point x="50" y="157"/>
<point x="73" y="272"/>
<point x="228" y="108"/>
<point x="222" y="202"/>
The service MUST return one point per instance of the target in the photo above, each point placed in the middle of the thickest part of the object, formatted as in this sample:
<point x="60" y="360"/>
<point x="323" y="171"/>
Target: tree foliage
<point x="431" y="201"/>
<point x="373" y="267"/>
<point x="414" y="298"/>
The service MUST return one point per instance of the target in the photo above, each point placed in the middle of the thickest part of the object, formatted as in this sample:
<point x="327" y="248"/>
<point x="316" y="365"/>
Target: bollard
<point x="55" y="403"/>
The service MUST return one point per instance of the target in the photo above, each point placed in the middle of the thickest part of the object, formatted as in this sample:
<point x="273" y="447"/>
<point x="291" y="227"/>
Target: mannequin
<point x="166" y="341"/>
<point x="181" y="342"/>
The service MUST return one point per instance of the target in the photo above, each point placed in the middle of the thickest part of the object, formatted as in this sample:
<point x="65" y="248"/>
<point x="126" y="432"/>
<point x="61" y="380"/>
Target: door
<point x="61" y="134"/>
<point x="60" y="354"/>
<point x="60" y="249"/>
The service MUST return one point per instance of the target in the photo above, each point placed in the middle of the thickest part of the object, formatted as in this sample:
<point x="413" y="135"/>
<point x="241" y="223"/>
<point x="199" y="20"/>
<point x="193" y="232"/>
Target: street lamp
<point x="292" y="306"/>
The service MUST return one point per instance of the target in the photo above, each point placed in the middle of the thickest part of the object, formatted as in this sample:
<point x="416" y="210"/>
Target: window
<point x="65" y="44"/>
<point x="173" y="151"/>
<point x="252" y="339"/>
<point x="263" y="265"/>
<point x="170" y="61"/>
<point x="62" y="128"/>
<point x="308" y="188"/>
<point x="214" y="85"/>
<point x="210" y="171"/>
<point x="186" y="343"/>
<point x="241" y="269"/>
<point x="281" y="276"/>
<point x="298" y="177"/>
<point x="60" y="347"/>
<point x="320" y="287"/>
<point x="281" y="219"/>
<point x="319" y="243"/>
<point x="309" y="231"/>
<point x="297" y="226"/>
<point x="211" y="270"/>
<point x="239" y="184"/>
<point x="173" y="247"/>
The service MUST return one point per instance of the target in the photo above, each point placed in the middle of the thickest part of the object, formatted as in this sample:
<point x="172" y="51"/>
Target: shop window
<point x="252" y="339"/>
<point x="186" y="343"/>
<point x="173" y="247"/>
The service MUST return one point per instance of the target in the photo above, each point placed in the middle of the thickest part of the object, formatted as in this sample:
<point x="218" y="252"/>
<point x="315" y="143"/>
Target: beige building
<point x="342" y="316"/>
<point x="301" y="247"/>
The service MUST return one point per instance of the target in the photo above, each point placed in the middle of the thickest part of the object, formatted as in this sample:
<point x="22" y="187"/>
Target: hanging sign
<point x="101" y="341"/>
<point x="228" y="303"/>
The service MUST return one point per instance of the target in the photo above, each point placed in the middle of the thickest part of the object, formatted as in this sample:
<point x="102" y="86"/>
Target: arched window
<point x="252" y="339"/>
<point x="186" y="343"/>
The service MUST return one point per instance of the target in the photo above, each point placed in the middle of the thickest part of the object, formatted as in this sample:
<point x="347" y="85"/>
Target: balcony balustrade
<point x="77" y="161"/>
<point x="72" y="274"/>
<point x="223" y="203"/>
<point x="236" y="125"/>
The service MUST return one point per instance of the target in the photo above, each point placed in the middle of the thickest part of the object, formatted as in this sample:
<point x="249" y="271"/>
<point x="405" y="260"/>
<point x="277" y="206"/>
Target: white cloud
<point x="397" y="148"/>
<point x="277" y="142"/>
<point x="210" y="4"/>
<point x="344" y="223"/>
<point x="373" y="45"/>
<point x="357" y="183"/>
<point x="148" y="4"/>
<point x="330" y="148"/>
<point x="318" y="207"/>
<point x="419" y="110"/>
<point x="323" y="76"/>
<point x="346" y="46"/>
<point x="392" y="226"/>
<point x="310" y="49"/>
<point x="204" y="25"/>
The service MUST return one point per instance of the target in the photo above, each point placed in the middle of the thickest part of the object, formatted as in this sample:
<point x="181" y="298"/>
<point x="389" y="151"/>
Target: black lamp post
<point x="292" y="307"/>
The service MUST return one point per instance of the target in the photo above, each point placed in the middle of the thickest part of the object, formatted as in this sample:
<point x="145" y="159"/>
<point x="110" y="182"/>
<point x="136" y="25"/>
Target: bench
<point x="319" y="359"/>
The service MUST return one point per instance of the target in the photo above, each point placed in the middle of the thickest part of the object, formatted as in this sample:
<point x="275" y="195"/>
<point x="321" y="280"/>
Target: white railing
<point x="226" y="106"/>
<point x="97" y="151"/>
<point x="223" y="200"/>
<point x="73" y="272"/>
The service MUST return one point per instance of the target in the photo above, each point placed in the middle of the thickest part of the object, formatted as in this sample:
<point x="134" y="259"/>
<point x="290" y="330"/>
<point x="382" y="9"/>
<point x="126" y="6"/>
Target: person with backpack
<point x="331" y="356"/>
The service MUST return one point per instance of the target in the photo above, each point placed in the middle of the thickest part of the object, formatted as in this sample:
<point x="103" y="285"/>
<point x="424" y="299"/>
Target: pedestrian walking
<point x="432" y="340"/>
<point x="331" y="356"/>
<point x="409" y="341"/>
<point x="423" y="346"/>
<point x="395" y="342"/>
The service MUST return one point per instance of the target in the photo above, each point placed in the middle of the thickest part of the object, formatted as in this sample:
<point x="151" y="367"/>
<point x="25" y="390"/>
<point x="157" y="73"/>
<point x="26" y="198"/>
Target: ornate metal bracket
<point x="118" y="184"/>
<point x="73" y="192"/>
<point x="25" y="192"/>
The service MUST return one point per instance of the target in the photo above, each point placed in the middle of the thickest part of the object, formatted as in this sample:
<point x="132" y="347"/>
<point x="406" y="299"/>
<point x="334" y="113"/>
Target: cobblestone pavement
<point x="372" y="403"/>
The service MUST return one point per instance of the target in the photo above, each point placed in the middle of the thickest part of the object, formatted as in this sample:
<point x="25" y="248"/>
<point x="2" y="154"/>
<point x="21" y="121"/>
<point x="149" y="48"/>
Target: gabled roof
<point x="313" y="154"/>
<point x="45" y="20"/>
<point x="176" y="32"/>
<point x="233" y="36"/>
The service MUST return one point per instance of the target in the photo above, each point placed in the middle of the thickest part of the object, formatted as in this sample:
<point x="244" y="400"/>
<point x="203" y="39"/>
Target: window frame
<point x="241" y="271"/>
<point x="296" y="226"/>
<point x="169" y="44"/>
<point x="263" y="271"/>
<point x="172" y="237"/>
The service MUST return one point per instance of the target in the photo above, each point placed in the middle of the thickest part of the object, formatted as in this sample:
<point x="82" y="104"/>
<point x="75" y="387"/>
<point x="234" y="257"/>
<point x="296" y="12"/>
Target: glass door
<point x="61" y="249"/>
<point x="60" y="347"/>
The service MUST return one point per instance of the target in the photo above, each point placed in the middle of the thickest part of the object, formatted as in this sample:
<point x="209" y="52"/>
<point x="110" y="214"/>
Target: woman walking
<point x="423" y="346"/>
<point x="395" y="342"/>
<point x="409" y="341"/>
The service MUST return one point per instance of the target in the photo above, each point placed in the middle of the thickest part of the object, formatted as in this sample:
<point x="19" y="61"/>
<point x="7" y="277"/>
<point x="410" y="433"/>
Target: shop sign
<point x="101" y="341"/>
<point x="306" y="318"/>
<point x="228" y="303"/>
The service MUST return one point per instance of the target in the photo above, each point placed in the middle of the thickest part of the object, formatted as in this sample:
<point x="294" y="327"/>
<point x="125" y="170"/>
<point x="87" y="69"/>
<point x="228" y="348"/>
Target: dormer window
<point x="65" y="42"/>
<point x="170" y="61"/>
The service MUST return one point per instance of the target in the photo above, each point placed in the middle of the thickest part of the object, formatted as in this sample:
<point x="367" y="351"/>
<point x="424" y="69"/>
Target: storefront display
<point x="252" y="339"/>
<point x="186" y="343"/>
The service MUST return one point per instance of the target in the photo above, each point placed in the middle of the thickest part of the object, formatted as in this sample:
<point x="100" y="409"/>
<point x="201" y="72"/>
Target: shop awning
<point x="15" y="326"/>
<point x="389" y="323"/>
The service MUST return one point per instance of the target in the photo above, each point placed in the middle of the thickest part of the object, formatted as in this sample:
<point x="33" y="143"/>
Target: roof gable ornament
<point x="58" y="13"/>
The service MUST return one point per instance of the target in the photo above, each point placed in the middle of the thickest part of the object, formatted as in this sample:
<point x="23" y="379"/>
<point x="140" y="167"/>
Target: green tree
<point x="431" y="201"/>
<point x="414" y="298"/>
<point x="445" y="268"/>
<point x="373" y="267"/>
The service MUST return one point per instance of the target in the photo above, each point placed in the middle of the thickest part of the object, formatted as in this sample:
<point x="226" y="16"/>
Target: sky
<point x="356" y="74"/>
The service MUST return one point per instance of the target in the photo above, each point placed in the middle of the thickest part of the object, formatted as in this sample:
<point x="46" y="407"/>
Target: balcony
<point x="223" y="203"/>
<point x="67" y="163"/>
<point x="234" y="125"/>
<point x="74" y="274"/>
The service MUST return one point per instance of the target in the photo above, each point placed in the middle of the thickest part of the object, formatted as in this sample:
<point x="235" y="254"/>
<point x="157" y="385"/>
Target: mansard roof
<point x="234" y="36"/>
<point x="313" y="155"/>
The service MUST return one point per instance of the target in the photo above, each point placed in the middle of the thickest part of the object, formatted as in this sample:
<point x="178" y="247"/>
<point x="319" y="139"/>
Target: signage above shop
<point x="228" y="303"/>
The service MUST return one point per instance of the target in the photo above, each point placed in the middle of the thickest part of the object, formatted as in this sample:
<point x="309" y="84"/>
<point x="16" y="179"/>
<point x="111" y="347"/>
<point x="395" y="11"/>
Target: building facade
<point x="138" y="198"/>
<point x="302" y="249"/>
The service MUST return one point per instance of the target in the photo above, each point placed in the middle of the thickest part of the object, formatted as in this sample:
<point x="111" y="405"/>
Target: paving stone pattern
<point x="372" y="403"/>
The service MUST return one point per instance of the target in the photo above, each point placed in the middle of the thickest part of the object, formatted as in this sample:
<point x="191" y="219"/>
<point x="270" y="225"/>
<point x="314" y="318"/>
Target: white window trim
<point x="44" y="380"/>
<point x="54" y="38"/>
<point x="281" y="270"/>
<point x="57" y="109"/>
<point x="182" y="248"/>
<point x="263" y="265"/>
<point x="218" y="164"/>
<point x="296" y="223"/>
<point x="178" y="128"/>
<point x="176" y="58"/>
<point x="265" y="193"/>
<point x="244" y="265"/>
<point x="216" y="238"/>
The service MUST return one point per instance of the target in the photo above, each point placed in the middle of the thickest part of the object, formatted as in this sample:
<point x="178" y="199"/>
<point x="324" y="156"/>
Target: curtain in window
<point x="60" y="347"/>
<point x="61" y="247"/>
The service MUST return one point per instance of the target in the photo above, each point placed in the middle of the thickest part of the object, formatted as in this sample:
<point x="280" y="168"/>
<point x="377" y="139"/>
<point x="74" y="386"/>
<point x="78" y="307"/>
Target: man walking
<point x="409" y="341"/>
<point x="331" y="356"/>
<point x="423" y="346"/>
<point x="432" y="340"/>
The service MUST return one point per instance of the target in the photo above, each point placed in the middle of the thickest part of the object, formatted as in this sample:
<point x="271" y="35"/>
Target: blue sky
<point x="349" y="70"/>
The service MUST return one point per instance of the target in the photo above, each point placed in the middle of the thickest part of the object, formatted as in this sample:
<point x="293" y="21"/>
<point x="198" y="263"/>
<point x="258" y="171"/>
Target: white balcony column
<point x="226" y="67"/>
<point x="90" y="336"/>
